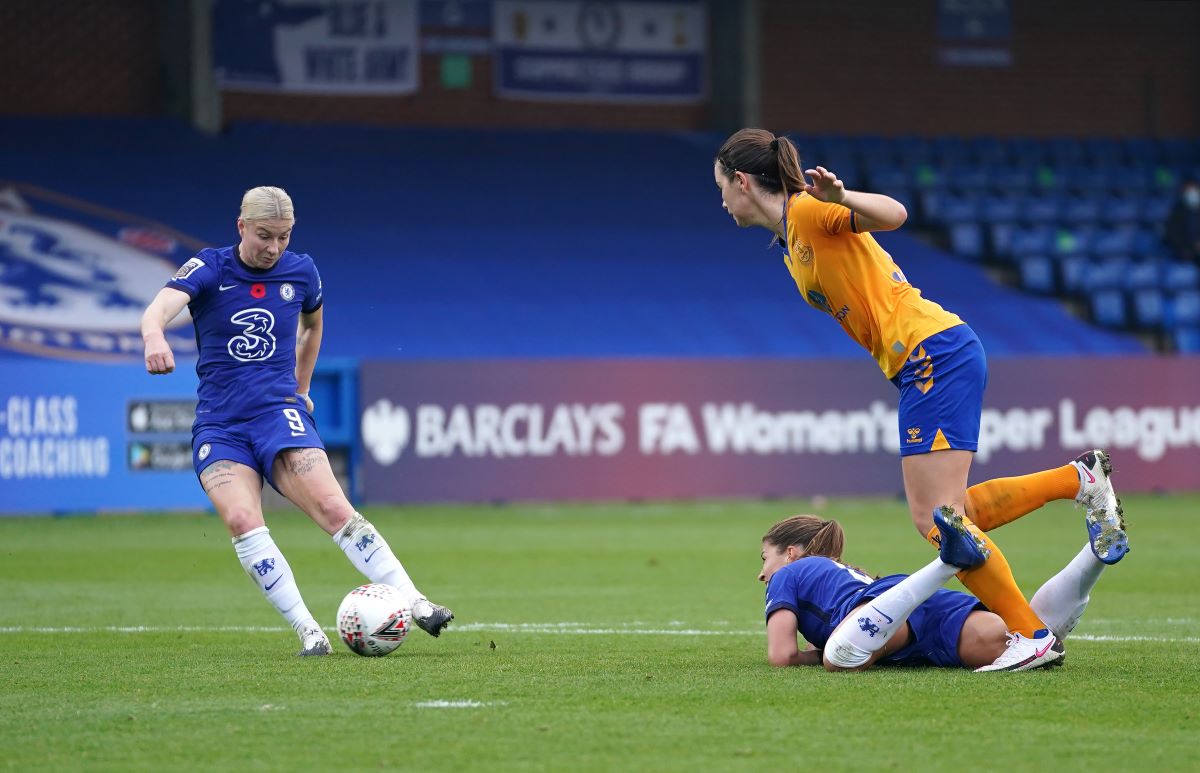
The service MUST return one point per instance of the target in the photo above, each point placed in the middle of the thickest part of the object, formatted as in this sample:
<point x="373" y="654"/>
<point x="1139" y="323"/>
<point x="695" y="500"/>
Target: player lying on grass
<point x="852" y="621"/>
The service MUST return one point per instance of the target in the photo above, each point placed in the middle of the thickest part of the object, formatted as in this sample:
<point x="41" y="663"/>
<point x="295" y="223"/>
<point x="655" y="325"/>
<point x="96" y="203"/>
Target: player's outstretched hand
<point x="825" y="185"/>
<point x="159" y="358"/>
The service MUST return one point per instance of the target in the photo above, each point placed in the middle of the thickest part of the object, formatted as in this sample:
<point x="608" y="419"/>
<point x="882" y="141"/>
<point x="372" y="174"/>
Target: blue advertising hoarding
<point x="81" y="437"/>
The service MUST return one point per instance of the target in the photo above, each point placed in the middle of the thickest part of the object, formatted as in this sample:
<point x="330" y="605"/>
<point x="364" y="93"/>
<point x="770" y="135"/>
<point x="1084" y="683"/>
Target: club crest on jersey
<point x="74" y="279"/>
<point x="804" y="253"/>
<point x="204" y="451"/>
<point x="286" y="291"/>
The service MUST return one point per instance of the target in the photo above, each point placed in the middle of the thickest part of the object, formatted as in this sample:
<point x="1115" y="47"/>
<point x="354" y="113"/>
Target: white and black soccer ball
<point x="373" y="620"/>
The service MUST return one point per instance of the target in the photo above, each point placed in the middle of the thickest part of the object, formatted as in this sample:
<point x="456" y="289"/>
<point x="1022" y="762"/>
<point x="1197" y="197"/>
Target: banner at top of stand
<point x="601" y="51"/>
<point x="316" y="46"/>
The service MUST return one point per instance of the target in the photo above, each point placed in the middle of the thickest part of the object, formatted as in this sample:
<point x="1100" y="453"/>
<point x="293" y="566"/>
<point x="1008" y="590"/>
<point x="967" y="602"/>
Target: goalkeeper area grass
<point x="587" y="637"/>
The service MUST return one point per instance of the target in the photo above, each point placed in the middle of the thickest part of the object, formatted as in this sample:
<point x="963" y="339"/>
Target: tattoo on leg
<point x="305" y="460"/>
<point x="216" y="475"/>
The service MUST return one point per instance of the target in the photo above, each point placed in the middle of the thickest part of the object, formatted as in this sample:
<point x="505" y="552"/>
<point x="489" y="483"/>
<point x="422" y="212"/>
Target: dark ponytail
<point x="772" y="162"/>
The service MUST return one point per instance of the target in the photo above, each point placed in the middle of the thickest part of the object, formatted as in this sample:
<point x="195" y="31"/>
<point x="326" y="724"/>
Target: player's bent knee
<point x="843" y="655"/>
<point x="241" y="519"/>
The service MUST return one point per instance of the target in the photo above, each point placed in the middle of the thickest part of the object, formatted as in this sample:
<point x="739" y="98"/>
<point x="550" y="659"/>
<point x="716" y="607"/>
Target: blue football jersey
<point x="819" y="591"/>
<point x="246" y="320"/>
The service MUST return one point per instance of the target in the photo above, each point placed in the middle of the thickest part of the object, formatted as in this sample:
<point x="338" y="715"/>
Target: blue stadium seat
<point x="1155" y="208"/>
<point x="1183" y="310"/>
<point x="1000" y="236"/>
<point x="1037" y="274"/>
<point x="1105" y="275"/>
<point x="966" y="240"/>
<point x="1144" y="276"/>
<point x="1148" y="307"/>
<point x="1073" y="269"/>
<point x="1049" y="178"/>
<point x="1082" y="210"/>
<point x="1120" y="210"/>
<point x="882" y="177"/>
<point x="1147" y="242"/>
<point x="1073" y="241"/>
<point x="1180" y="276"/>
<point x="1000" y="208"/>
<point x="1043" y="208"/>
<point x="968" y="177"/>
<point x="1114" y="241"/>
<point x="1108" y="308"/>
<point x="926" y="176"/>
<point x="1187" y="339"/>
<point x="960" y="208"/>
<point x="1031" y="240"/>
<point x="1087" y="179"/>
<point x="1015" y="177"/>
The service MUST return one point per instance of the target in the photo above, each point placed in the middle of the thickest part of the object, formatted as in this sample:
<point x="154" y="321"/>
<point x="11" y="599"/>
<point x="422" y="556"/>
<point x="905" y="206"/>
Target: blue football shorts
<point x="936" y="625"/>
<point x="254" y="442"/>
<point x="941" y="393"/>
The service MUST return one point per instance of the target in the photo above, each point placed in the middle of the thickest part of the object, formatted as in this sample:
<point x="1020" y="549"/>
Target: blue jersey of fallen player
<point x="246" y="320"/>
<point x="820" y="591"/>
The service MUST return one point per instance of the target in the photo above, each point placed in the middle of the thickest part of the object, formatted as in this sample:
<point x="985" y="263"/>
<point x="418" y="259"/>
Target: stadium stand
<point x="1079" y="220"/>
<point x="507" y="243"/>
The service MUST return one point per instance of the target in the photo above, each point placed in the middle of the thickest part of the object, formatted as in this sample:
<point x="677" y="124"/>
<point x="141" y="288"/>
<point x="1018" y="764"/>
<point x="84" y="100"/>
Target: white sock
<point x="270" y="571"/>
<point x="1061" y="600"/>
<point x="871" y="625"/>
<point x="369" y="552"/>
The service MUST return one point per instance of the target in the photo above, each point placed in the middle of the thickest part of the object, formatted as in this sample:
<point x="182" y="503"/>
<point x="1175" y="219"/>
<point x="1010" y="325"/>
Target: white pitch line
<point x="458" y="704"/>
<point x="559" y="629"/>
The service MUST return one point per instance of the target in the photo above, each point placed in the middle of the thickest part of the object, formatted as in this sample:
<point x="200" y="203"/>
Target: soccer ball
<point x="373" y="620"/>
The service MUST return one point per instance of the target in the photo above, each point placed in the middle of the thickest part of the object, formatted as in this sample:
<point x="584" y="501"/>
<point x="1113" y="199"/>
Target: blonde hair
<point x="267" y="203"/>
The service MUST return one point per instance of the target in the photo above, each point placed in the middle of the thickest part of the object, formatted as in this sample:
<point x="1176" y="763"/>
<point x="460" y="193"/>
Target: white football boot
<point x="1103" y="513"/>
<point x="431" y="618"/>
<point x="313" y="641"/>
<point x="1024" y="653"/>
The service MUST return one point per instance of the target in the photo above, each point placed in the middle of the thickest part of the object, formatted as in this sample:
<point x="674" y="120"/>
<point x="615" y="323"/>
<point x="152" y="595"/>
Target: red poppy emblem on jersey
<point x="258" y="290"/>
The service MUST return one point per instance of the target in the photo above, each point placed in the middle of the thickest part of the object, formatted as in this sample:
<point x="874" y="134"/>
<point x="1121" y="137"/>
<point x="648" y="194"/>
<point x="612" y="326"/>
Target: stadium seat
<point x="1037" y="274"/>
<point x="1082" y="210"/>
<point x="1043" y="208"/>
<point x="1180" y="276"/>
<point x="1155" y="208"/>
<point x="1072" y="271"/>
<point x="1017" y="177"/>
<point x="1000" y="236"/>
<point x="966" y="240"/>
<point x="1183" y="310"/>
<point x="1105" y="275"/>
<point x="1108" y="308"/>
<point x="1148" y="305"/>
<point x="1120" y="211"/>
<point x="1000" y="208"/>
<point x="1144" y="276"/>
<point x="1032" y="240"/>
<point x="1114" y="241"/>
<point x="1073" y="241"/>
<point x="1187" y="339"/>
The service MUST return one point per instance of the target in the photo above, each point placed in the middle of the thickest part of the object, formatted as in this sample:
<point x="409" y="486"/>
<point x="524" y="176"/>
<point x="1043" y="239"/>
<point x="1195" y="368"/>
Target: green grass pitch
<point x="588" y="637"/>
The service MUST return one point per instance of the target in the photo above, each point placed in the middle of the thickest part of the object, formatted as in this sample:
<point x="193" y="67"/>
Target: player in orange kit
<point x="929" y="353"/>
